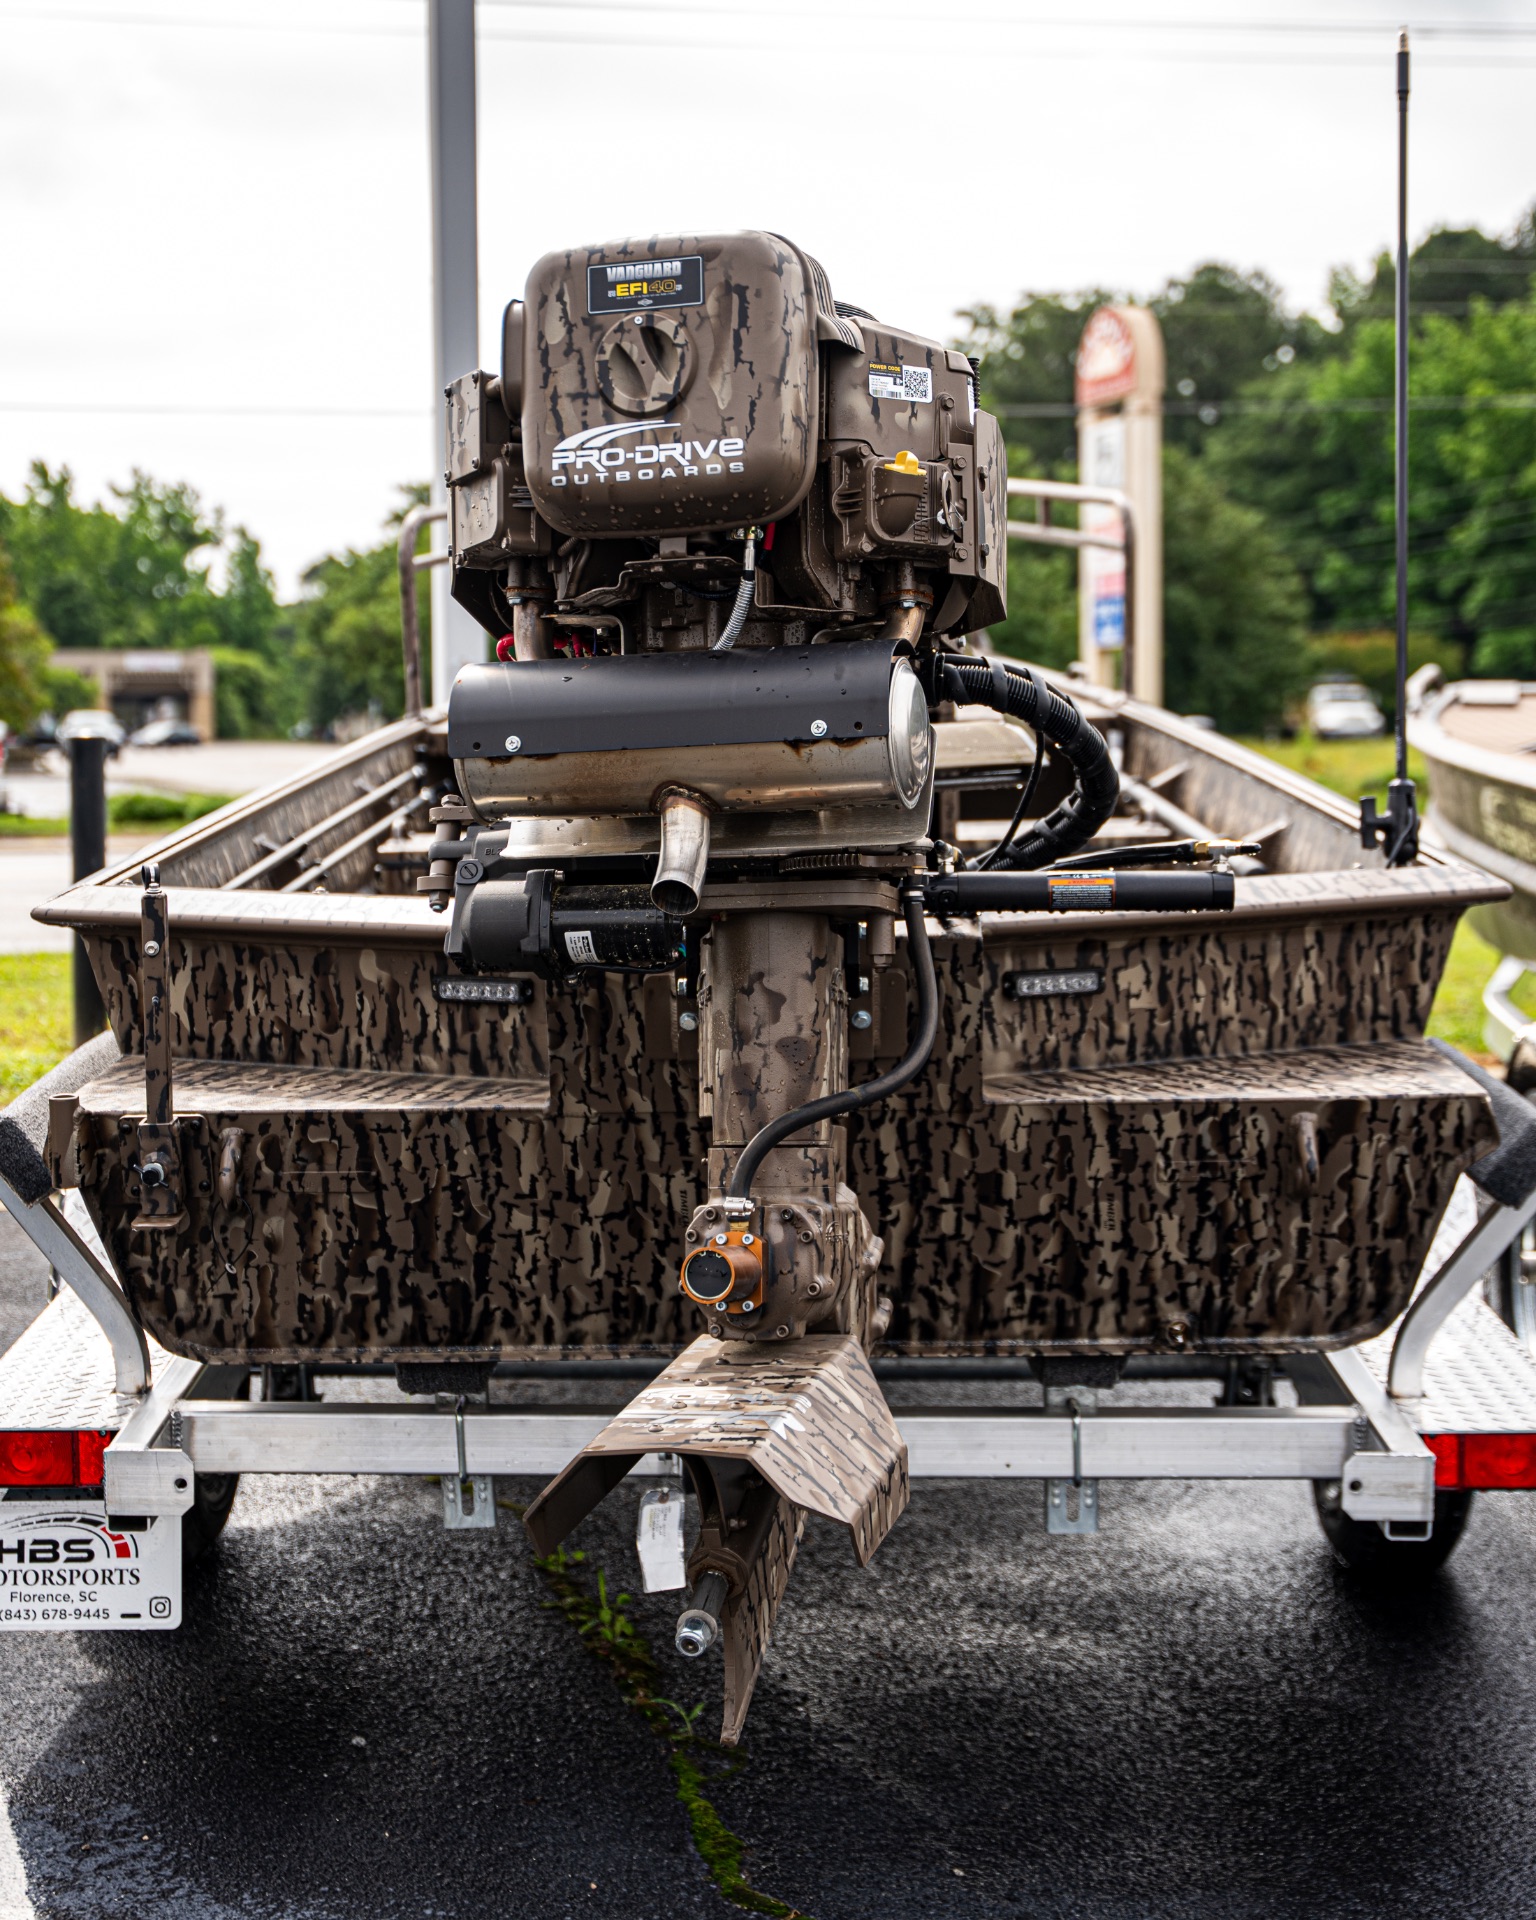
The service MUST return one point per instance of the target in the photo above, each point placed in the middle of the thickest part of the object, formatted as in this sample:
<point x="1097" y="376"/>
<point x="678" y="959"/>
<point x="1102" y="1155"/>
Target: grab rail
<point x="412" y="563"/>
<point x="1042" y="533"/>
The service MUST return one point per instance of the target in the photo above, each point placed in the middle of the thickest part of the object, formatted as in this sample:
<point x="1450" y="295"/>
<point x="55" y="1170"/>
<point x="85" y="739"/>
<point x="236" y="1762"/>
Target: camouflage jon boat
<point x="750" y="983"/>
<point x="1161" y="1132"/>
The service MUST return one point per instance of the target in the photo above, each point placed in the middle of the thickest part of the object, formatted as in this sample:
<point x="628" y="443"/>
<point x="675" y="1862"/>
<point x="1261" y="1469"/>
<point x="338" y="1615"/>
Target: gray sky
<point x="216" y="225"/>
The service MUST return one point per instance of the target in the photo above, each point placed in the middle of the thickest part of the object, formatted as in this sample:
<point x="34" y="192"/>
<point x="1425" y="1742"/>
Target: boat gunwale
<point x="407" y="920"/>
<point x="1429" y="737"/>
<point x="107" y="902"/>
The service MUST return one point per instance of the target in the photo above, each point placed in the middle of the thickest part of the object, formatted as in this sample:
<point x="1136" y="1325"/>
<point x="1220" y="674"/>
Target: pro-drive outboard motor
<point x="726" y="532"/>
<point x="729" y="536"/>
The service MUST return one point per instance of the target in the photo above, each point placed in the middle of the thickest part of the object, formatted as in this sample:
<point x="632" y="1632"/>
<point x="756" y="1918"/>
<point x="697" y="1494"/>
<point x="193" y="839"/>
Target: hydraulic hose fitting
<point x="744" y="595"/>
<point x="684" y="852"/>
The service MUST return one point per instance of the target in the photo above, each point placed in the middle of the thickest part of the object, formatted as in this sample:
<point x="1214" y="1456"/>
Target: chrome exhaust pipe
<point x="684" y="852"/>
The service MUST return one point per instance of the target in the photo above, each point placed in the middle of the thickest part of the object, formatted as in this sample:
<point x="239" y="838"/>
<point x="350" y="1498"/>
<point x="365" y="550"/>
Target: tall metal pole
<point x="1398" y="831"/>
<point x="1401" y="409"/>
<point x="456" y="635"/>
<point x="88" y="844"/>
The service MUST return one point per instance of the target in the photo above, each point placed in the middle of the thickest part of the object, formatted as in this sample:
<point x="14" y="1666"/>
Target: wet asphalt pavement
<point x="1191" y="1715"/>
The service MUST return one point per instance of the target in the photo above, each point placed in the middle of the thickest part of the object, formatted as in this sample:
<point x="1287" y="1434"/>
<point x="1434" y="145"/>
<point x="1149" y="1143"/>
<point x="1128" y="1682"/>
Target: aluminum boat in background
<point x="1479" y="740"/>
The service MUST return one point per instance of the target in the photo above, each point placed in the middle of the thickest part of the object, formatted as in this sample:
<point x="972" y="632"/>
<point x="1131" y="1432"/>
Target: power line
<point x="1419" y="403"/>
<point x="1092" y="49"/>
<point x="160" y="409"/>
<point x="1449" y="29"/>
<point x="1010" y="410"/>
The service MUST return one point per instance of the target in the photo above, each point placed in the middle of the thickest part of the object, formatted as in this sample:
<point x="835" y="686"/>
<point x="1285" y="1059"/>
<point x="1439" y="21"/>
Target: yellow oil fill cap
<point x="905" y="462"/>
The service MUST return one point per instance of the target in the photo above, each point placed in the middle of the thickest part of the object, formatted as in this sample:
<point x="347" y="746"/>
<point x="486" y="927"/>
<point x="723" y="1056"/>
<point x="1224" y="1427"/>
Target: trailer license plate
<point x="66" y="1569"/>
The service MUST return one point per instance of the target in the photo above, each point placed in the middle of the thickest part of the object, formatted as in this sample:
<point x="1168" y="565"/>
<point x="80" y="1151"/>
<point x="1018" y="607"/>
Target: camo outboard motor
<point x="725" y="531"/>
<point x="729" y="535"/>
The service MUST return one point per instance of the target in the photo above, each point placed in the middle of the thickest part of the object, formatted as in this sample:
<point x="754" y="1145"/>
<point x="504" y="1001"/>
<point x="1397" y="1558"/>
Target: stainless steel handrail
<point x="1042" y="533"/>
<point x="412" y="563"/>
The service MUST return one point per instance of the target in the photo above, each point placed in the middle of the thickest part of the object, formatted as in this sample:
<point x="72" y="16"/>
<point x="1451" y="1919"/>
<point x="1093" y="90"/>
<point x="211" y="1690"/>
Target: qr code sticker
<point x="909" y="385"/>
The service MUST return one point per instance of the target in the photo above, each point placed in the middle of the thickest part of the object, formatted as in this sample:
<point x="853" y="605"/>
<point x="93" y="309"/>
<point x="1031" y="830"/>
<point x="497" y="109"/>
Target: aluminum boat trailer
<point x="104" y="1432"/>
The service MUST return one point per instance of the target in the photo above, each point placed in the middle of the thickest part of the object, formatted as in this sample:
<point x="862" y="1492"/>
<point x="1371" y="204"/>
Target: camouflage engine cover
<point x="672" y="382"/>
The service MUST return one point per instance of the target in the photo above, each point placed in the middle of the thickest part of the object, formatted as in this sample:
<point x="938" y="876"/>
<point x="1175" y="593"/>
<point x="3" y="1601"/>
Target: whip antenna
<point x="1399" y="831"/>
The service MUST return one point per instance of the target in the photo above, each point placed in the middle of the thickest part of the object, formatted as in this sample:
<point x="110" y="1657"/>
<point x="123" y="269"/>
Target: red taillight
<point x="1484" y="1461"/>
<point x="52" y="1459"/>
<point x="89" y="1449"/>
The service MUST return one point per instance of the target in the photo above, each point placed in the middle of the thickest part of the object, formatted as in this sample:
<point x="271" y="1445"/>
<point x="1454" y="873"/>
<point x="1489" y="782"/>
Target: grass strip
<point x="161" y="809"/>
<point x="36" y="1017"/>
<point x="1353" y="768"/>
<point x="25" y="826"/>
<point x="607" y="1631"/>
<point x="123" y="810"/>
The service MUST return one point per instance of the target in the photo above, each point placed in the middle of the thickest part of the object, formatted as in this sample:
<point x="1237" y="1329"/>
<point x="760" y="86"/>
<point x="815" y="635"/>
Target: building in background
<point x="142" y="684"/>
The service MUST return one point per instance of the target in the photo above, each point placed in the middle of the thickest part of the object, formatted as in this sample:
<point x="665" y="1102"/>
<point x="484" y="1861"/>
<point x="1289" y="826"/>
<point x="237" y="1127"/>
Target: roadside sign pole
<point x="1119" y="392"/>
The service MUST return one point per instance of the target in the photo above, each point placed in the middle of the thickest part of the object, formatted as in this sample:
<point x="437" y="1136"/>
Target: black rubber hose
<point x="998" y="856"/>
<point x="1097" y="785"/>
<point x="868" y="1092"/>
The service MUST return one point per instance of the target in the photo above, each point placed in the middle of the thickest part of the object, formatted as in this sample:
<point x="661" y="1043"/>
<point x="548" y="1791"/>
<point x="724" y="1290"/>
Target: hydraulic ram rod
<point x="1094" y="890"/>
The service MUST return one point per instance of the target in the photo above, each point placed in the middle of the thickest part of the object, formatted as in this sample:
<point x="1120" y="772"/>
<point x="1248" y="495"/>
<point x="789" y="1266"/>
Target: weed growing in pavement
<point x="607" y="1630"/>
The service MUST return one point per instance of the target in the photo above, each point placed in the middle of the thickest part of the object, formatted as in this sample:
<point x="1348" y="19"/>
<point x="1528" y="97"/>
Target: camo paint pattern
<point x="548" y="1212"/>
<point x="750" y="1614"/>
<point x="545" y="1212"/>
<point x="809" y="1417"/>
<point x="293" y="1004"/>
<point x="1228" y="988"/>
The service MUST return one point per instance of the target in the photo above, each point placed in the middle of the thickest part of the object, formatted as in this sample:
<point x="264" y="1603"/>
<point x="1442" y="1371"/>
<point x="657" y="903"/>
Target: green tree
<point x="1042" y="606"/>
<point x="1316" y="457"/>
<point x="23" y="657"/>
<point x="1449" y="269"/>
<point x="1223" y="330"/>
<point x="1027" y="360"/>
<point x="1234" y="632"/>
<point x="346" y="630"/>
<point x="254" y="697"/>
<point x="138" y="573"/>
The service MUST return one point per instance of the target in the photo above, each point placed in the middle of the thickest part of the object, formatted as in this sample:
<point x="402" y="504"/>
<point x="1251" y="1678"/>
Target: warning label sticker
<point x="582" y="949"/>
<point x="887" y="381"/>
<point x="1075" y="892"/>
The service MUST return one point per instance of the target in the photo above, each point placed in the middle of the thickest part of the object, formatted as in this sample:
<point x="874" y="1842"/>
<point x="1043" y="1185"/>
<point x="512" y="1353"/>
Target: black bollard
<point x="88" y="843"/>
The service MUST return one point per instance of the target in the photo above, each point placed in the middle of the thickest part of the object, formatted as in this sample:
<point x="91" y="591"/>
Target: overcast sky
<point x="214" y="226"/>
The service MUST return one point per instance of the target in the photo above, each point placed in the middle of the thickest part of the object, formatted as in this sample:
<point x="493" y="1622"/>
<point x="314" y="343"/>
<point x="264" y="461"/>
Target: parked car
<point x="166" y="733"/>
<point x="91" y="723"/>
<point x="1343" y="709"/>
